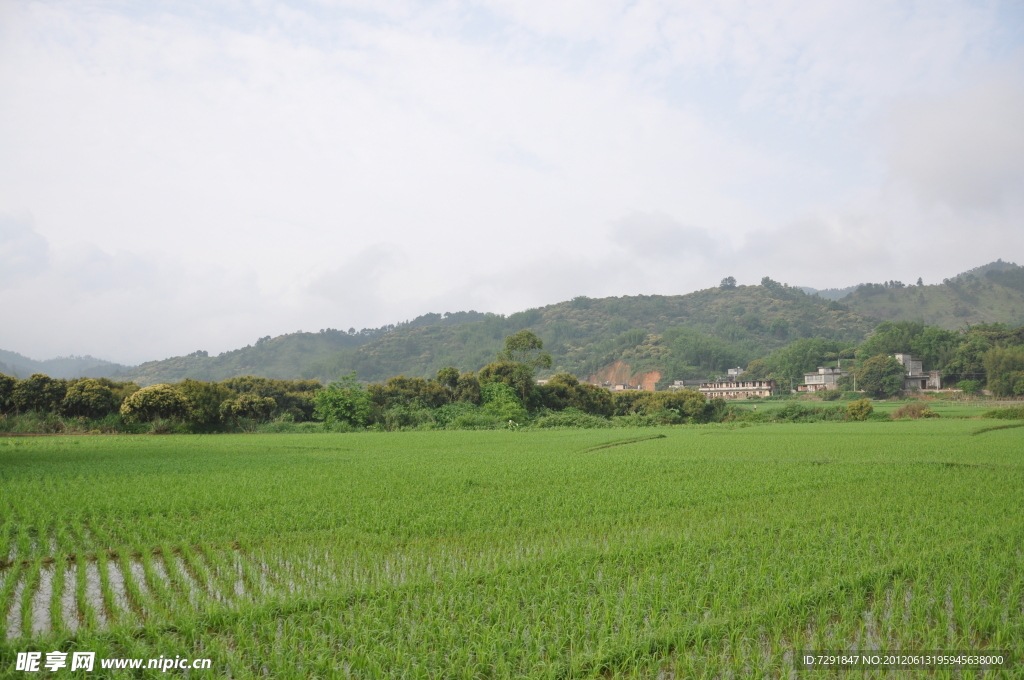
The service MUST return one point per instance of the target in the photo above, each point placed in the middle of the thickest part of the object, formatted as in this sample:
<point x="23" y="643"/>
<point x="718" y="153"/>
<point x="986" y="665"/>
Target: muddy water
<point x="94" y="593"/>
<point x="68" y="602"/>
<point x="14" y="613"/>
<point x="116" y="579"/>
<point x="41" y="602"/>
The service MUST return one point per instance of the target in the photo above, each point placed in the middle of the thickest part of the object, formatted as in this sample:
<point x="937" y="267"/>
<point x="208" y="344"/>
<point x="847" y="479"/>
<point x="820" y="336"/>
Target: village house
<point x="826" y="378"/>
<point x="737" y="389"/>
<point x="915" y="378"/>
<point x="685" y="385"/>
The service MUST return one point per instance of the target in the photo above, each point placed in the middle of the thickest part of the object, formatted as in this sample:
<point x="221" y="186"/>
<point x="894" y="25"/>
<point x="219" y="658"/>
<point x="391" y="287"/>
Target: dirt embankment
<point x="621" y="374"/>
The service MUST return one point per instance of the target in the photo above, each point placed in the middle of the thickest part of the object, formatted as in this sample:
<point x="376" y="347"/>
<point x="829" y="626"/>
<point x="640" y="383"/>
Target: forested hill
<point x="14" y="364"/>
<point x="285" y="356"/>
<point x="681" y="336"/>
<point x="993" y="293"/>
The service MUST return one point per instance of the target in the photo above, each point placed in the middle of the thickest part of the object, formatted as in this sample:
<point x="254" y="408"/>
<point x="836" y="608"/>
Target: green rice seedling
<point x="704" y="552"/>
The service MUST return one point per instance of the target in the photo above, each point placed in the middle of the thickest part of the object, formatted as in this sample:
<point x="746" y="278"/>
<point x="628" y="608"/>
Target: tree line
<point x="505" y="392"/>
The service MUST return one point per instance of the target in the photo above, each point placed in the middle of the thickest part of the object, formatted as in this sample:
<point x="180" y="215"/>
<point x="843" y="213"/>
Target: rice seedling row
<point x="712" y="551"/>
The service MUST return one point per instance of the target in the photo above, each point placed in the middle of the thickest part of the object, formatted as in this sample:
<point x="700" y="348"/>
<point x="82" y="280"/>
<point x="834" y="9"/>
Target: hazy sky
<point x="179" y="176"/>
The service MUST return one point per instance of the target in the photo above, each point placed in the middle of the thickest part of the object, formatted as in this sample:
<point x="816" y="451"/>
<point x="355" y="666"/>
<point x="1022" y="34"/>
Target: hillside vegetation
<point x="283" y="357"/>
<point x="990" y="294"/>
<point x="14" y="364"/>
<point x="683" y="336"/>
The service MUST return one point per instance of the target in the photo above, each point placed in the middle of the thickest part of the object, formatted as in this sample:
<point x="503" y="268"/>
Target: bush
<point x="162" y="402"/>
<point x="1012" y="413"/>
<point x="795" y="412"/>
<point x="404" y="417"/>
<point x="89" y="398"/>
<point x="831" y="395"/>
<point x="500" y="402"/>
<point x="343" y="401"/>
<point x="7" y="384"/>
<point x="881" y="376"/>
<point x="476" y="421"/>
<point x="969" y="387"/>
<point x="571" y="417"/>
<point x="915" y="410"/>
<point x="248" y="407"/>
<point x="38" y="392"/>
<point x="860" y="409"/>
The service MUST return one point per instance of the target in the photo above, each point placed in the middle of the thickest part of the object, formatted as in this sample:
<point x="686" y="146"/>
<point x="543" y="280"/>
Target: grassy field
<point x="712" y="551"/>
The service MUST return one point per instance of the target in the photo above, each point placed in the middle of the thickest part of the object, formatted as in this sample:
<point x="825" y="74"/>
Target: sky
<point x="179" y="176"/>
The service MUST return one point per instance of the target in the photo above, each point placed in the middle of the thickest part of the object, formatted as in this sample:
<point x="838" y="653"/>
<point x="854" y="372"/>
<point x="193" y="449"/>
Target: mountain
<point x="282" y="357"/>
<point x="680" y="336"/>
<point x="14" y="364"/>
<point x="829" y="293"/>
<point x="988" y="294"/>
<point x="640" y="339"/>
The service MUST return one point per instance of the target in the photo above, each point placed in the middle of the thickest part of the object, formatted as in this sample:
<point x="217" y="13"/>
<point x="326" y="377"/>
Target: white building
<point x="915" y="377"/>
<point x="827" y="378"/>
<point x="738" y="389"/>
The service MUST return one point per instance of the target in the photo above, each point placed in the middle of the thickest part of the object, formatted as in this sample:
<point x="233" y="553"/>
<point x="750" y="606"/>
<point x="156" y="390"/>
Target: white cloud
<point x="209" y="174"/>
<point x="24" y="253"/>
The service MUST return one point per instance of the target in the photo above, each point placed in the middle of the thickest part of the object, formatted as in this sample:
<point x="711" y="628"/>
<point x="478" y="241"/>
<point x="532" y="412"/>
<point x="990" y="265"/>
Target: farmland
<point x="709" y="550"/>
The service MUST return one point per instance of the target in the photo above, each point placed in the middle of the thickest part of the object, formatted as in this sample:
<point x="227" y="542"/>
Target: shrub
<point x="7" y="384"/>
<point x="969" y="387"/>
<point x="401" y="417"/>
<point x="450" y="412"/>
<point x="204" y="400"/>
<point x="571" y="417"/>
<point x="157" y="402"/>
<point x="343" y="401"/>
<point x="500" y="401"/>
<point x="915" y="410"/>
<point x="248" y="407"/>
<point x="860" y="409"/>
<point x="89" y="398"/>
<point x="1012" y="413"/>
<point x="831" y="395"/>
<point x="881" y="376"/>
<point x="38" y="392"/>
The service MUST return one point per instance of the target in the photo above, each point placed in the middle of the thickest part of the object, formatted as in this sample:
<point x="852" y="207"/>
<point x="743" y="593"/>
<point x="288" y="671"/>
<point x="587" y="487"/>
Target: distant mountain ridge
<point x="19" y="366"/>
<point x="992" y="293"/>
<point x="679" y="336"/>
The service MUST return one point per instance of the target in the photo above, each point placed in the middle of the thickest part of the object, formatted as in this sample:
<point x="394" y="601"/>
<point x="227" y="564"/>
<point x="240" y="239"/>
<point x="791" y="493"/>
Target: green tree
<point x="344" y="401"/>
<point x="792" y="361"/>
<point x="248" y="407"/>
<point x="1004" y="367"/>
<point x="204" y="400"/>
<point x="468" y="388"/>
<point x="860" y="409"/>
<point x="933" y="345"/>
<point x="448" y="378"/>
<point x="564" y="391"/>
<point x="880" y="376"/>
<point x="969" y="387"/>
<point x="517" y="375"/>
<point x="89" y="398"/>
<point x="501" y="402"/>
<point x="7" y="384"/>
<point x="728" y="283"/>
<point x="967" y="362"/>
<point x="38" y="392"/>
<point x="156" y="401"/>
<point x="524" y="348"/>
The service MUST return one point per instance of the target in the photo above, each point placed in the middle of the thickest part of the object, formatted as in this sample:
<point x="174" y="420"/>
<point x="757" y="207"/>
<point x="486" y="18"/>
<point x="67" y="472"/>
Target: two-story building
<point x="915" y="377"/>
<point x="737" y="389"/>
<point x="826" y="378"/>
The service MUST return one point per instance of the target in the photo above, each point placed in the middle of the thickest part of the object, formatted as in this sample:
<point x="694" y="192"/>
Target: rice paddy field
<point x="686" y="552"/>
